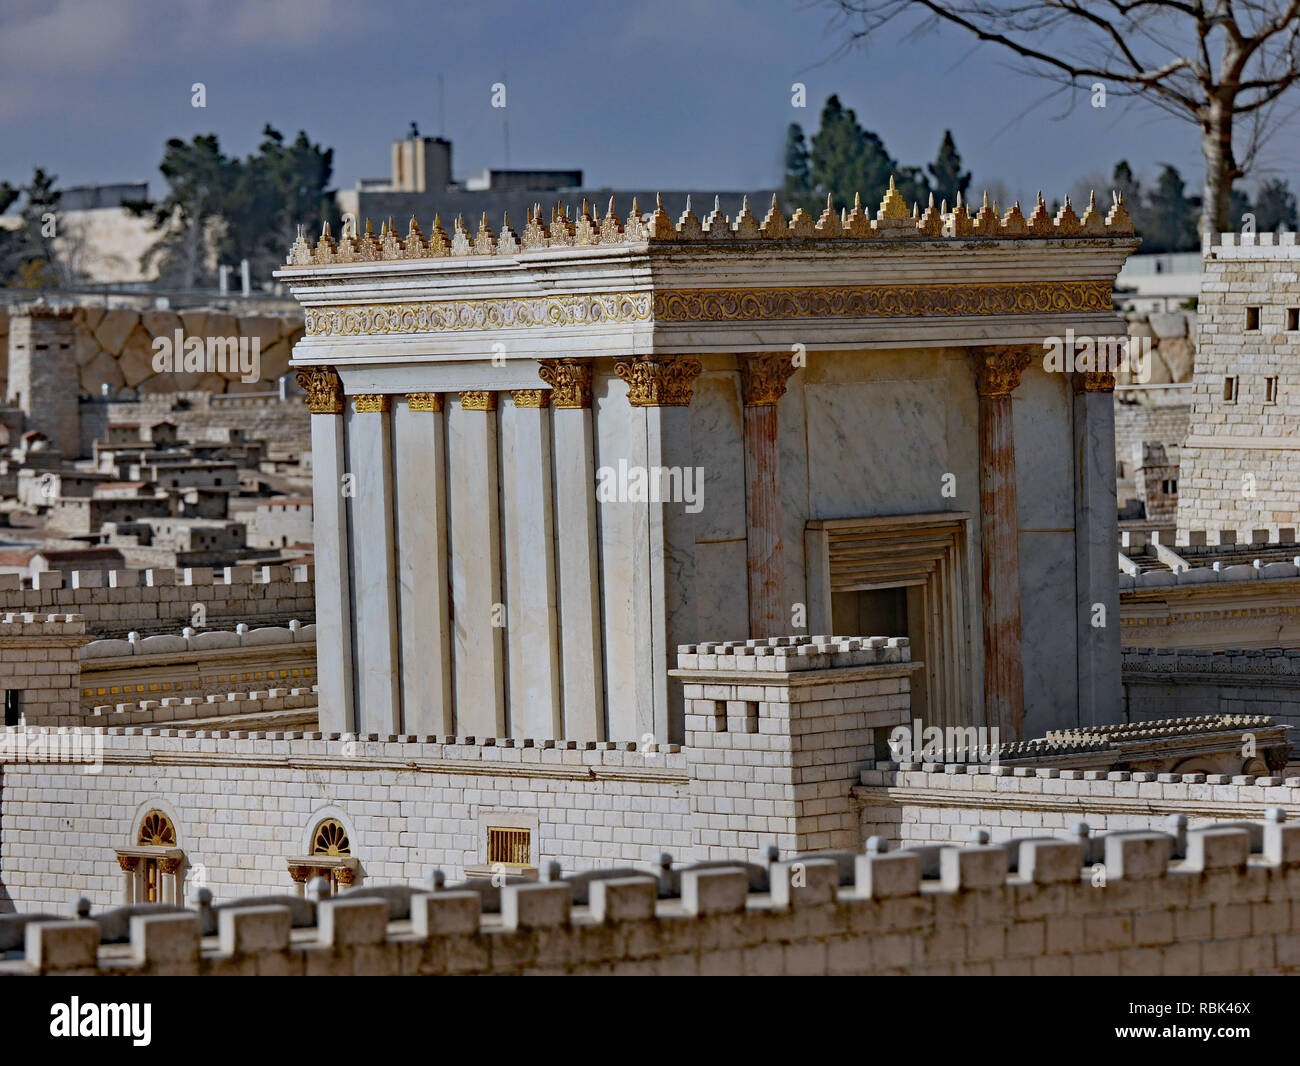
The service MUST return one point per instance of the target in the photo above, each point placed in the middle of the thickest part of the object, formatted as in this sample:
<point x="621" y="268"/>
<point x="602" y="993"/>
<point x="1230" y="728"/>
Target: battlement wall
<point x="1140" y="905"/>
<point x="117" y="602"/>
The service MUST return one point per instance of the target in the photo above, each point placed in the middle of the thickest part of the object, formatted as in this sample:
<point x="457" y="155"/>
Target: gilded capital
<point x="424" y="401"/>
<point x="1094" y="381"/>
<point x="169" y="865"/>
<point x="763" y="378"/>
<point x="370" y="403"/>
<point x="998" y="369"/>
<point x="478" y="400"/>
<point x="344" y="874"/>
<point x="128" y="862"/>
<point x="323" y="388"/>
<point x="658" y="381"/>
<point x="531" y="397"/>
<point x="570" y="382"/>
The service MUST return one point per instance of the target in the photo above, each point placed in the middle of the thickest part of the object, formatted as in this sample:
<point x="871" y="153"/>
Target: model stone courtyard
<point x="547" y="491"/>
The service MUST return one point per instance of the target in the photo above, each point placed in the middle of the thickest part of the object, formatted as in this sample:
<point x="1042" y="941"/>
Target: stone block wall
<point x="1240" y="464"/>
<point x="115" y="347"/>
<point x="1170" y="682"/>
<point x="943" y="804"/>
<point x="777" y="732"/>
<point x="117" y="602"/>
<point x="1221" y="907"/>
<point x="40" y="661"/>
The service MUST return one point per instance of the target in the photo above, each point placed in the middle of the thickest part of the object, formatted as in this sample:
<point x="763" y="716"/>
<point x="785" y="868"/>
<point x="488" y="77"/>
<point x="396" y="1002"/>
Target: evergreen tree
<point x="796" y="188"/>
<point x="946" y="174"/>
<point x="847" y="159"/>
<point x="1275" y="207"/>
<point x="27" y="255"/>
<point x="1172" y="221"/>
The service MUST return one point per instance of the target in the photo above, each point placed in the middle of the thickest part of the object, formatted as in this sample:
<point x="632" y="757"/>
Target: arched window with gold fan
<point x="330" y="839"/>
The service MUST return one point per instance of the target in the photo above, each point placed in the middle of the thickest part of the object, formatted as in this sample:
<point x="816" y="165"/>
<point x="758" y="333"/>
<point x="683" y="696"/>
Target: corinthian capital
<point x="323" y="388"/>
<point x="654" y="381"/>
<point x="763" y="378"/>
<point x="998" y="369"/>
<point x="570" y="382"/>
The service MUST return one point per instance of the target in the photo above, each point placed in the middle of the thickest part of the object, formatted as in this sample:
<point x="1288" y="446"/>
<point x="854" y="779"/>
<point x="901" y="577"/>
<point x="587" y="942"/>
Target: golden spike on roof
<point x="717" y="225"/>
<point x="634" y="228"/>
<point x="1066" y="221"/>
<point x="507" y="239"/>
<point x="857" y="223"/>
<point x="930" y="224"/>
<point x="461" y="241"/>
<point x="390" y="244"/>
<point x="746" y="226"/>
<point x="1040" y="221"/>
<point x="535" y="232"/>
<point x="368" y="249"/>
<point x="892" y="207"/>
<point x="829" y="223"/>
<point x="801" y="224"/>
<point x="1118" y="223"/>
<point x="610" y="230"/>
<point x="986" y="221"/>
<point x="562" y="230"/>
<point x="959" y="222"/>
<point x="300" y="252"/>
<point x="1092" y="224"/>
<point x="1013" y="224"/>
<point x="688" y="226"/>
<point x="587" y="231"/>
<point x="774" y="221"/>
<point x="439" y="243"/>
<point x="660" y="226"/>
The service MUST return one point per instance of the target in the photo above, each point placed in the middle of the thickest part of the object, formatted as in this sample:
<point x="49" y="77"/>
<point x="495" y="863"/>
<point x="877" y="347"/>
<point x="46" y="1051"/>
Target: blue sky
<point x="671" y="94"/>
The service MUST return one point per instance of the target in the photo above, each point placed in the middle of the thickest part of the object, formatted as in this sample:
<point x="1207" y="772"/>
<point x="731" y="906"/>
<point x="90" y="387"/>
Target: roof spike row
<point x="774" y="222"/>
<point x="746" y="225"/>
<point x="390" y="244"/>
<point x="959" y="222"/>
<point x="689" y="227"/>
<point x="801" y="224"/>
<point x="587" y="231"/>
<point x="439" y="243"/>
<point x="485" y="242"/>
<point x="829" y="223"/>
<point x="368" y="250"/>
<point x="1013" y="222"/>
<point x="634" y="227"/>
<point x="562" y="230"/>
<point x="300" y="253"/>
<point x="325" y="246"/>
<point x="718" y="226"/>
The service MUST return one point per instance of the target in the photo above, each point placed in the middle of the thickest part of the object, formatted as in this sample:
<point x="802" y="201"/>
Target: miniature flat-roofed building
<point x="545" y="459"/>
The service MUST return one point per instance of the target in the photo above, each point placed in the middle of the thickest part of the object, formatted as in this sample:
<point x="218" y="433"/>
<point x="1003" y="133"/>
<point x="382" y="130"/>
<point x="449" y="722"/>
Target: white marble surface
<point x="1041" y="418"/>
<point x="577" y="565"/>
<point x="478" y="608"/>
<point x="528" y="552"/>
<point x="717" y="431"/>
<point x="721" y="591"/>
<point x="1049" y="631"/>
<point x="333" y="579"/>
<point x="374" y="605"/>
<point x="424" y="600"/>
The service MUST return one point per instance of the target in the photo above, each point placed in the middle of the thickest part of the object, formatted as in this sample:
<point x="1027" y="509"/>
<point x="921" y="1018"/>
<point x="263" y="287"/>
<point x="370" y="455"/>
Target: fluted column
<point x="998" y="373"/>
<point x="333" y="577"/>
<point x="762" y="383"/>
<point x="577" y="565"/>
<point x="661" y="389"/>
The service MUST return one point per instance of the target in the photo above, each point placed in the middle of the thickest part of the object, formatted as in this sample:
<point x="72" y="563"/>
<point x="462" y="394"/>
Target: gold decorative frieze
<point x="531" y="397"/>
<point x="478" y="400"/>
<point x="570" y="382"/>
<point x="452" y="316"/>
<point x="998" y="368"/>
<point x="893" y="219"/>
<point x="763" y="378"/>
<point x="323" y="388"/>
<point x="371" y="403"/>
<point x="424" y="401"/>
<point x="654" y="381"/>
<point x="714" y="305"/>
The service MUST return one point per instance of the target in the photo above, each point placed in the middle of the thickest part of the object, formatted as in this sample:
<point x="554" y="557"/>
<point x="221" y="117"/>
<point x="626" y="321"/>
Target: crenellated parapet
<point x="1148" y="902"/>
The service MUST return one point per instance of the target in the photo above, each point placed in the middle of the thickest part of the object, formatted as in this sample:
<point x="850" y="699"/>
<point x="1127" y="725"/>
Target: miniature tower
<point x="43" y="373"/>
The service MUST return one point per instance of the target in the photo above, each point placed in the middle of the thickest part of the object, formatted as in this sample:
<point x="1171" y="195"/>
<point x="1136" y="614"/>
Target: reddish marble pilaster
<point x="998" y="373"/>
<point x="763" y="379"/>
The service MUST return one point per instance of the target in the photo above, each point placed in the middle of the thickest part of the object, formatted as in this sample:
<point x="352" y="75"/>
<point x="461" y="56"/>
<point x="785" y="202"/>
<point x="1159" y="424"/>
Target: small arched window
<point x="156" y="830"/>
<point x="330" y="838"/>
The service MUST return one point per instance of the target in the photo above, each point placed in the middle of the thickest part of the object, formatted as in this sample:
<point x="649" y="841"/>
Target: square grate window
<point x="509" y="846"/>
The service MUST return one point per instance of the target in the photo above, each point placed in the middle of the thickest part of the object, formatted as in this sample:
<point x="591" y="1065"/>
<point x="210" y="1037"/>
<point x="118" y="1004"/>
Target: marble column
<point x="660" y="388"/>
<point x="576" y="550"/>
<point x="528" y="553"/>
<point x="424" y="599"/>
<point x="474" y="535"/>
<point x="330" y="529"/>
<point x="1096" y="534"/>
<point x="762" y="384"/>
<point x="998" y="373"/>
<point x="374" y="573"/>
